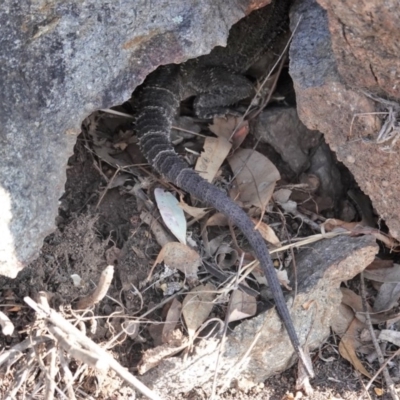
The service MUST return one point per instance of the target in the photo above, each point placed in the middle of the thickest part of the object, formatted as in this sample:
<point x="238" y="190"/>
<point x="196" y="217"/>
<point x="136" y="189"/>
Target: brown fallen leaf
<point x="256" y="177"/>
<point x="211" y="159"/>
<point x="226" y="126"/>
<point x="342" y="320"/>
<point x="349" y="344"/>
<point x="384" y="275"/>
<point x="195" y="212"/>
<point x="152" y="357"/>
<point x="267" y="232"/>
<point x="197" y="306"/>
<point x="241" y="306"/>
<point x="378" y="263"/>
<point x="171" y="320"/>
<point x="388" y="295"/>
<point x="218" y="219"/>
<point x="354" y="301"/>
<point x="356" y="228"/>
<point x="179" y="256"/>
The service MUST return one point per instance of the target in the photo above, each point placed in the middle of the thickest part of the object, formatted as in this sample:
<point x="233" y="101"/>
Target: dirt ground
<point x="100" y="223"/>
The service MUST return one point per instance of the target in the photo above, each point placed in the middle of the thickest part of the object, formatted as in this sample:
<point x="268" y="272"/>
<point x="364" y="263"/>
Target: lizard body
<point x="217" y="81"/>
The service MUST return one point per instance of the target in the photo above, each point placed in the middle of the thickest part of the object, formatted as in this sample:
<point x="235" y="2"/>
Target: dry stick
<point x="16" y="351"/>
<point x="21" y="375"/>
<point x="56" y="319"/>
<point x="101" y="290"/>
<point x="68" y="378"/>
<point x="386" y="375"/>
<point x="107" y="187"/>
<point x="69" y="345"/>
<point x="50" y="384"/>
<point x="383" y="366"/>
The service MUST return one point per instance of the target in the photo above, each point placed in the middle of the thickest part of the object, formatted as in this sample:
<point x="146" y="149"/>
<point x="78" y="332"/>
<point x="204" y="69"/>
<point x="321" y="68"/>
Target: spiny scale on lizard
<point x="216" y="80"/>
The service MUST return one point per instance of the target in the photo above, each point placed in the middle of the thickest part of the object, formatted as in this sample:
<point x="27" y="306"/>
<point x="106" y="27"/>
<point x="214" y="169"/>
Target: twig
<point x="56" y="319"/>
<point x="107" y="187"/>
<point x="21" y="375"/>
<point x="101" y="290"/>
<point x="68" y="378"/>
<point x="395" y="354"/>
<point x="386" y="375"/>
<point x="50" y="384"/>
<point x="15" y="352"/>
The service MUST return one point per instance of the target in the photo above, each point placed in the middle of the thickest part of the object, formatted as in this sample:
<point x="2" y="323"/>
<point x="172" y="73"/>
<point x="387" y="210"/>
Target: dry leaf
<point x="256" y="177"/>
<point x="379" y="391"/>
<point x="179" y="256"/>
<point x="342" y="320"/>
<point x="378" y="263"/>
<point x="387" y="297"/>
<point x="172" y="318"/>
<point x="241" y="306"/>
<point x="225" y="256"/>
<point x="171" y="213"/>
<point x="267" y="232"/>
<point x="349" y="344"/>
<point x="283" y="278"/>
<point x="388" y="275"/>
<point x="195" y="212"/>
<point x="152" y="357"/>
<point x="197" y="306"/>
<point x="282" y="195"/>
<point x="225" y="126"/>
<point x="211" y="159"/>
<point x="333" y="224"/>
<point x="160" y="233"/>
<point x="390" y="336"/>
<point x="217" y="219"/>
<point x="354" y="301"/>
<point x="357" y="229"/>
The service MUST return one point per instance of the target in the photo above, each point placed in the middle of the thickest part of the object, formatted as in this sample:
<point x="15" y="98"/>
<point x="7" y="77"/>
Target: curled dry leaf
<point x="171" y="213"/>
<point x="241" y="306"/>
<point x="349" y="344"/>
<point x="226" y="256"/>
<point x="211" y="159"/>
<point x="197" y="306"/>
<point x="179" y="256"/>
<point x="256" y="177"/>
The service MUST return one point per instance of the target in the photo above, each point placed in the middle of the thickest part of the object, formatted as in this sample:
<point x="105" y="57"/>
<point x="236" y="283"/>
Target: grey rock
<point x="60" y="61"/>
<point x="338" y="54"/>
<point x="282" y="129"/>
<point x="321" y="267"/>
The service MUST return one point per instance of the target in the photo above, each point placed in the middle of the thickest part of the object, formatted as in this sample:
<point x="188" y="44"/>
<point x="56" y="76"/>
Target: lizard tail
<point x="158" y="101"/>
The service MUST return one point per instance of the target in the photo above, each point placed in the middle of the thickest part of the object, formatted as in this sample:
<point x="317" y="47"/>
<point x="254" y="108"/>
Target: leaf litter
<point x="198" y="297"/>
